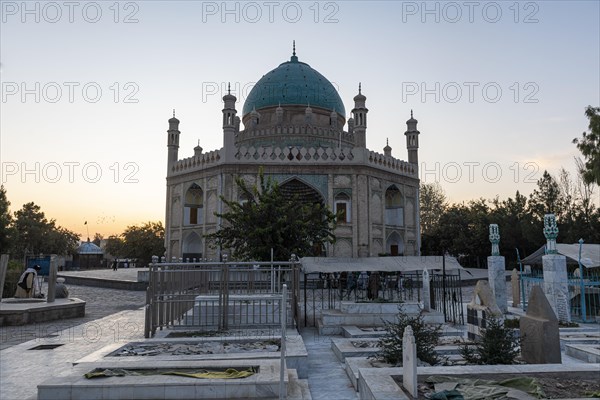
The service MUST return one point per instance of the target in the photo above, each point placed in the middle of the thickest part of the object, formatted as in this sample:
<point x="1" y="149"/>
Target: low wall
<point x="22" y="312"/>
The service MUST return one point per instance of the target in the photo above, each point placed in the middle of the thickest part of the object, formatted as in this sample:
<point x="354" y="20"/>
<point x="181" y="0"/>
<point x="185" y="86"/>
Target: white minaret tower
<point x="229" y="122"/>
<point x="360" y="119"/>
<point x="172" y="142"/>
<point x="412" y="140"/>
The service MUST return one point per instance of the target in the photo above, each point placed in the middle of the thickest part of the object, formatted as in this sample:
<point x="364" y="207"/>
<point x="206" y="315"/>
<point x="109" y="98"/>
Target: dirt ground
<point x="555" y="386"/>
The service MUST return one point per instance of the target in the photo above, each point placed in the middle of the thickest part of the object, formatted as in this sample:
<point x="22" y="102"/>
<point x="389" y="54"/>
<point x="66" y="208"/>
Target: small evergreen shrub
<point x="426" y="338"/>
<point x="498" y="345"/>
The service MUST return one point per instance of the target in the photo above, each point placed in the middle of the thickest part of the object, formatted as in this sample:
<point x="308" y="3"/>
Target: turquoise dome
<point x="294" y="83"/>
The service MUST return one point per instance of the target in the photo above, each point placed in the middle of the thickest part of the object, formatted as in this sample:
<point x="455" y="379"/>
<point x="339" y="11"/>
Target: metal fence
<point x="446" y="296"/>
<point x="584" y="292"/>
<point x="220" y="296"/>
<point x="327" y="291"/>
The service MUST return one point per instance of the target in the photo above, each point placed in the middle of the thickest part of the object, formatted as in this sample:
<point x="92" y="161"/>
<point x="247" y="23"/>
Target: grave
<point x="207" y="348"/>
<point x="263" y="384"/>
<point x="540" y="343"/>
<point x="516" y="291"/>
<point x="482" y="306"/>
<point x="370" y="315"/>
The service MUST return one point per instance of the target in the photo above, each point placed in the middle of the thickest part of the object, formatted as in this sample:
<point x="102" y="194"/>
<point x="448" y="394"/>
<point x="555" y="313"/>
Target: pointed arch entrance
<point x="394" y="244"/>
<point x="192" y="246"/>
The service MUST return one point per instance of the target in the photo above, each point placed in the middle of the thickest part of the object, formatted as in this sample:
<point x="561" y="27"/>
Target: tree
<point x="34" y="234"/>
<point x="6" y="220"/>
<point x="427" y="337"/>
<point x="547" y="198"/>
<point x="142" y="242"/>
<point x="432" y="203"/>
<point x="589" y="146"/>
<point x="268" y="220"/>
<point x="498" y="345"/>
<point x="115" y="246"/>
<point x="97" y="239"/>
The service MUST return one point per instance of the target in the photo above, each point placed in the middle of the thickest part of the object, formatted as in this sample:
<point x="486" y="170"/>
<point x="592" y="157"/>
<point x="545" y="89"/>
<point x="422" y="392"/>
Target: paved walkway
<point x="22" y="369"/>
<point x="327" y="378"/>
<point x="99" y="303"/>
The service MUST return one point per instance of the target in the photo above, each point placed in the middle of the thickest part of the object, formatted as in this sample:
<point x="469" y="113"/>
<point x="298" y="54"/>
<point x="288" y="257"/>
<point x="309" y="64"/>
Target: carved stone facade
<point x="305" y="148"/>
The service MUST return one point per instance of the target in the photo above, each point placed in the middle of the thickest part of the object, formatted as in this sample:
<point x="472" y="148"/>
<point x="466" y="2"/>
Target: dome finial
<point x="359" y="87"/>
<point x="173" y="113"/>
<point x="411" y="115"/>
<point x="387" y="141"/>
<point x="294" y="48"/>
<point x="228" y="87"/>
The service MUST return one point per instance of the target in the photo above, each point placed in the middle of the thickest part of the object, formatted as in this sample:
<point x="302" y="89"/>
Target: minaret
<point x="198" y="150"/>
<point x="360" y="119"/>
<point x="229" y="121"/>
<point x="172" y="142"/>
<point x="412" y="140"/>
<point x="387" y="150"/>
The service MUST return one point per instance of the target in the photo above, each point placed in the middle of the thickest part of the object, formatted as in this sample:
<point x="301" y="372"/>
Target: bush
<point x="13" y="273"/>
<point x="498" y="345"/>
<point x="426" y="338"/>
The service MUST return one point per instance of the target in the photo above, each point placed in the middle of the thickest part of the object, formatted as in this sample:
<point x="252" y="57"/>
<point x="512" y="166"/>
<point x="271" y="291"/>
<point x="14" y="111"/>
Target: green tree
<point x="6" y="221"/>
<point x="115" y="246"/>
<point x="518" y="228"/>
<point x="34" y="234"/>
<point x="589" y="146"/>
<point x="547" y="198"/>
<point x="432" y="201"/>
<point x="97" y="239"/>
<point x="427" y="337"/>
<point x="498" y="345"/>
<point x="143" y="242"/>
<point x="268" y="220"/>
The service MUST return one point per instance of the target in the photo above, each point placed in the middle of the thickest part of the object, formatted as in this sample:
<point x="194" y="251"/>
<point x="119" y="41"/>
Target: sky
<point x="499" y="89"/>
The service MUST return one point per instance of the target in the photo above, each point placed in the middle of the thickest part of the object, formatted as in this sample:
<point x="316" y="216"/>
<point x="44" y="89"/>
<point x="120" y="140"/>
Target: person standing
<point x="25" y="285"/>
<point x="114" y="265"/>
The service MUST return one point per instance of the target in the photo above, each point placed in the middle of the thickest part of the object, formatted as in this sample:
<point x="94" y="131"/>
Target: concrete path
<point x="99" y="304"/>
<point x="327" y="378"/>
<point x="22" y="368"/>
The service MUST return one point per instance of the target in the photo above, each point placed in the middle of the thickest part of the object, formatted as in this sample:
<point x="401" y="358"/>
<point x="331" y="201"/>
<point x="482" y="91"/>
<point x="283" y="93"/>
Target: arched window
<point x="342" y="208"/>
<point x="394" y="207"/>
<point x="194" y="206"/>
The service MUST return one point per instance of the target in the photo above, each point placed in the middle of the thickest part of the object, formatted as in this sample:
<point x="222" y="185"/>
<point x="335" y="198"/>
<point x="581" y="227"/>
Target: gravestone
<point x="409" y="362"/>
<point x="555" y="272"/>
<point x="516" y="291"/>
<point x="52" y="280"/>
<point x="482" y="306"/>
<point x="497" y="270"/>
<point x="540" y="343"/>
<point x="426" y="291"/>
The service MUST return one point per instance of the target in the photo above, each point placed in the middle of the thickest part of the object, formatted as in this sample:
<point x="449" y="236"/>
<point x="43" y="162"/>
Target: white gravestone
<point x="426" y="291"/>
<point x="497" y="271"/>
<point x="409" y="362"/>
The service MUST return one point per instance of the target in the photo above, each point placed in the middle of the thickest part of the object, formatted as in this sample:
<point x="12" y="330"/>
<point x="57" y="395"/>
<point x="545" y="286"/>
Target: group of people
<point x="28" y="285"/>
<point x="373" y="283"/>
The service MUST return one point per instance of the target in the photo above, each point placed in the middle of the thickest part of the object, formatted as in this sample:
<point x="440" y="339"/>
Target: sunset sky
<point x="499" y="89"/>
